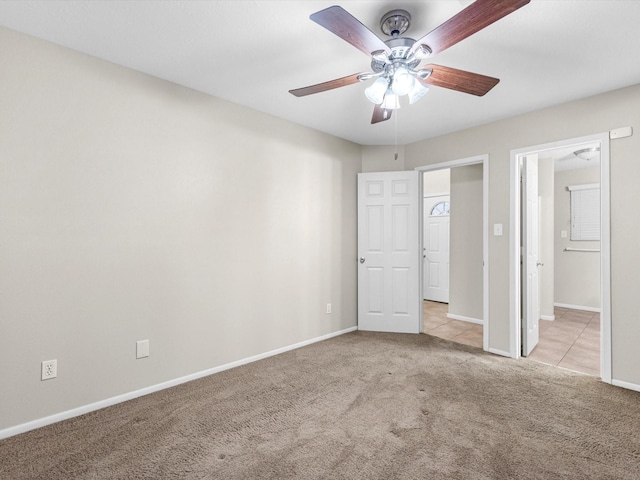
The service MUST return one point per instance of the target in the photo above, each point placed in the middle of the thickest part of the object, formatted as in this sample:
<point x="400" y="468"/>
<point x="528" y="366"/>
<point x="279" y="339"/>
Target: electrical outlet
<point x="49" y="369"/>
<point x="328" y="308"/>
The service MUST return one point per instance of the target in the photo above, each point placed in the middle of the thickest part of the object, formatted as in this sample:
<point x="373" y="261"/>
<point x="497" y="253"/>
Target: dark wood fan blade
<point x="330" y="85"/>
<point x="380" y="114"/>
<point x="337" y="20"/>
<point x="475" y="17"/>
<point x="460" y="80"/>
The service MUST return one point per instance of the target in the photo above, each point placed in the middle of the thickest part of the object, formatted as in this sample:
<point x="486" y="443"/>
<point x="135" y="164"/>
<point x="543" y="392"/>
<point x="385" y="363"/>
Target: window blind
<point x="585" y="212"/>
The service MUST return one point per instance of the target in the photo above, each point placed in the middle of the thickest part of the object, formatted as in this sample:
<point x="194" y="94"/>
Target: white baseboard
<point x="577" y="307"/>
<point x="627" y="385"/>
<point x="465" y="319"/>
<point x="58" y="417"/>
<point x="547" y="317"/>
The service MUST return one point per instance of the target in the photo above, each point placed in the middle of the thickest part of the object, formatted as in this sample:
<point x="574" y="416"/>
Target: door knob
<point x="362" y="259"/>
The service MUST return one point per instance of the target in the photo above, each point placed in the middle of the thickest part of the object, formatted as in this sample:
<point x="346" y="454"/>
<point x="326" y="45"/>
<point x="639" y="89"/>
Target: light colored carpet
<point x="359" y="406"/>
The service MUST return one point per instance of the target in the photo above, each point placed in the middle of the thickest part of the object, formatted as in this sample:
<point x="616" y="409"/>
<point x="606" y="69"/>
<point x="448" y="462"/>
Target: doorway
<point x="390" y="219"/>
<point x="571" y="308"/>
<point x="467" y="298"/>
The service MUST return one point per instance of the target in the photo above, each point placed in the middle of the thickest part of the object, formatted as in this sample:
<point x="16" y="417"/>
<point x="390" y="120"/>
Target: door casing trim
<point x="605" y="245"/>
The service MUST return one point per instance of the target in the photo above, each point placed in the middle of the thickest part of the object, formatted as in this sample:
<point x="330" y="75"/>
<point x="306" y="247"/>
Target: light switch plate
<point x="497" y="229"/>
<point x="142" y="348"/>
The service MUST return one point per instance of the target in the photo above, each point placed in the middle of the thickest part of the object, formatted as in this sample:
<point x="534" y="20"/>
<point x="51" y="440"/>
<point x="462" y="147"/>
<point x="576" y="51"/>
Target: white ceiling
<point x="253" y="52"/>
<point x="564" y="158"/>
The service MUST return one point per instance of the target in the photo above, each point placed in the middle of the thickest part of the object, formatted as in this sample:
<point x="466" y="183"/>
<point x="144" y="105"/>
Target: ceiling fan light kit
<point x="417" y="92"/>
<point x="394" y="63"/>
<point x="376" y="92"/>
<point x="391" y="101"/>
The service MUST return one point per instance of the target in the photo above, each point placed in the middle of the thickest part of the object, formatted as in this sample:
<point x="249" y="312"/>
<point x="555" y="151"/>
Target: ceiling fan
<point x="395" y="62"/>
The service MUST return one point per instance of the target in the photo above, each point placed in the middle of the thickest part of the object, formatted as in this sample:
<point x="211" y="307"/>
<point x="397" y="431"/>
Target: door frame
<point x="605" y="245"/>
<point x="484" y="160"/>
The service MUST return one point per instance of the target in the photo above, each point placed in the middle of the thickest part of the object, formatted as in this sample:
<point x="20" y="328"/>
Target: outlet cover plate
<point x="49" y="369"/>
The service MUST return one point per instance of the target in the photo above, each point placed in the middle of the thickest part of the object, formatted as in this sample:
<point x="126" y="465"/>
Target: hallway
<point x="571" y="341"/>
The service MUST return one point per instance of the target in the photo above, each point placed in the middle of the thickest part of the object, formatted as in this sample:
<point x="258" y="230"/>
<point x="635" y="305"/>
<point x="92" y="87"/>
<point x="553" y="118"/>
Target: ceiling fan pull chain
<point x="395" y="156"/>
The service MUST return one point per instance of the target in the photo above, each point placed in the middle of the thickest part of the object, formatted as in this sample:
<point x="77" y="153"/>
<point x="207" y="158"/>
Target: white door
<point x="530" y="249"/>
<point x="435" y="243"/>
<point x="388" y="252"/>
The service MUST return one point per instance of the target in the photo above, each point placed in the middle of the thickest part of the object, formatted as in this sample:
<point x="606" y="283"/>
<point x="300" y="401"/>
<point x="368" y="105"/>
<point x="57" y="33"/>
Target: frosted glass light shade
<point x="403" y="81"/>
<point x="417" y="92"/>
<point x="391" y="101"/>
<point x="375" y="92"/>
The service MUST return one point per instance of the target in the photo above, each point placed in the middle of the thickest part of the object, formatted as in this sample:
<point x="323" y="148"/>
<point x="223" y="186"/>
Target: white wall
<point x="133" y="208"/>
<point x="575" y="119"/>
<point x="547" y="270"/>
<point x="465" y="262"/>
<point x="577" y="274"/>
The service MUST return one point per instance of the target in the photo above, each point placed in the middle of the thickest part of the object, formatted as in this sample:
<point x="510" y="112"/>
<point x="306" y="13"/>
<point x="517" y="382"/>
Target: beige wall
<point x="547" y="270"/>
<point x="589" y="116"/>
<point x="436" y="182"/>
<point x="382" y="158"/>
<point x="133" y="208"/>
<point x="577" y="274"/>
<point x="465" y="262"/>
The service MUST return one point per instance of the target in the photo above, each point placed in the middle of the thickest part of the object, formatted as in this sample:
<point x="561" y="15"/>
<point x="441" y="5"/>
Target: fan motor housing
<point x="400" y="48"/>
<point x="395" y="22"/>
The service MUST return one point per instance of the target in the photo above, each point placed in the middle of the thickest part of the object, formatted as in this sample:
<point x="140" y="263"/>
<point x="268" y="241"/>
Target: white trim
<point x="462" y="318"/>
<point x="420" y="261"/>
<point x="605" y="245"/>
<point x="58" y="417"/>
<point x="605" y="260"/>
<point x="550" y="318"/>
<point x="589" y="186"/>
<point x="431" y="195"/>
<point x="499" y="352"/>
<point x="577" y="307"/>
<point x="462" y="162"/>
<point x="484" y="159"/>
<point x="627" y="385"/>
<point x="514" y="256"/>
<point x="485" y="251"/>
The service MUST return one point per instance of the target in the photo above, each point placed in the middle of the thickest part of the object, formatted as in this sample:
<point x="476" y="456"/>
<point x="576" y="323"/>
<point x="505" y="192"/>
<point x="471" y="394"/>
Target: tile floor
<point x="570" y="341"/>
<point x="436" y="323"/>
